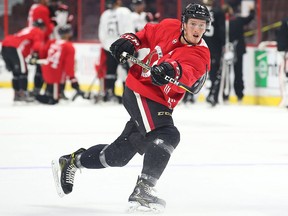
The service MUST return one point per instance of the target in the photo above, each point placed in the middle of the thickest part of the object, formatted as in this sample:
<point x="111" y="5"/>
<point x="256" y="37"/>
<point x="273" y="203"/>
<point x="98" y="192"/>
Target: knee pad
<point x="167" y="138"/>
<point x="118" y="154"/>
<point x="157" y="155"/>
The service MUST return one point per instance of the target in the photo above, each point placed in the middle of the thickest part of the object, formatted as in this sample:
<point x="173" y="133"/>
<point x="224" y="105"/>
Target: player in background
<point x="140" y="18"/>
<point x="15" y="48"/>
<point x="236" y="36"/>
<point x="139" y="15"/>
<point x="59" y="66"/>
<point x="114" y="21"/>
<point x="282" y="36"/>
<point x="215" y="39"/>
<point x="282" y="48"/>
<point x="60" y="16"/>
<point x="149" y="99"/>
<point x="40" y="10"/>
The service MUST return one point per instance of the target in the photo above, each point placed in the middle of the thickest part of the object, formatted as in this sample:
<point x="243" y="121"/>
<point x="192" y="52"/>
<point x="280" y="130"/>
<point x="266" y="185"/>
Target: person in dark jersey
<point x="215" y="39"/>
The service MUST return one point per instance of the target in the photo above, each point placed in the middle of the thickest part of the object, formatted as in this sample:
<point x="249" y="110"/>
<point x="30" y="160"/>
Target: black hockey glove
<point x="168" y="68"/>
<point x="33" y="59"/>
<point x="126" y="43"/>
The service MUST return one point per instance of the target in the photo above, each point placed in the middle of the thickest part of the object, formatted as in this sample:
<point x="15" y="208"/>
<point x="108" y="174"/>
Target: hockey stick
<point x="88" y="93"/>
<point x="227" y="63"/>
<point x="82" y="94"/>
<point x="194" y="89"/>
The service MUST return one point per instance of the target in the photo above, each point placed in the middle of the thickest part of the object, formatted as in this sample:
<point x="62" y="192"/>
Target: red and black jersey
<point x="28" y="40"/>
<point x="40" y="11"/>
<point x="60" y="56"/>
<point x="163" y="41"/>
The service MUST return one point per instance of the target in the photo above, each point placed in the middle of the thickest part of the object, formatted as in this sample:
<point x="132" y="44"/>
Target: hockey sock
<point x="90" y="159"/>
<point x="38" y="79"/>
<point x="15" y="83"/>
<point x="23" y="82"/>
<point x="155" y="161"/>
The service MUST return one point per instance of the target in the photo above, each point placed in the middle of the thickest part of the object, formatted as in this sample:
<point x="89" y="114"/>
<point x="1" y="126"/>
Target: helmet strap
<point x="182" y="34"/>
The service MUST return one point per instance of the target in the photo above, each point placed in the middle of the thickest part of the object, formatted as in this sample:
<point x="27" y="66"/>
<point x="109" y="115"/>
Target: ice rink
<point x="232" y="160"/>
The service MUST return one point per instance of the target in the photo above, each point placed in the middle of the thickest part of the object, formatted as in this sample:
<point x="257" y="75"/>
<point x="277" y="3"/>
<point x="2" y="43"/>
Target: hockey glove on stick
<point x="126" y="43"/>
<point x="33" y="59"/>
<point x="168" y="68"/>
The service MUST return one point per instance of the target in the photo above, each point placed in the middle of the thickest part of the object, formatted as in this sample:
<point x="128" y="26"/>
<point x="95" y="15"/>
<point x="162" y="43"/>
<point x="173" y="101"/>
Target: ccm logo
<point x="132" y="39"/>
<point x="164" y="113"/>
<point x="171" y="80"/>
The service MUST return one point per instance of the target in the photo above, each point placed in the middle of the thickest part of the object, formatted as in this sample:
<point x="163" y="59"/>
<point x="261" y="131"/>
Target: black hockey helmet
<point x="137" y="2"/>
<point x="196" y="11"/>
<point x="110" y="3"/>
<point x="39" y="23"/>
<point x="66" y="29"/>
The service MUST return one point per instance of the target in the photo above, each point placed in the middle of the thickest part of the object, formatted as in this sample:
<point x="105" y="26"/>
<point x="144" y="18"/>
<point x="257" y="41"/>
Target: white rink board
<point x="87" y="55"/>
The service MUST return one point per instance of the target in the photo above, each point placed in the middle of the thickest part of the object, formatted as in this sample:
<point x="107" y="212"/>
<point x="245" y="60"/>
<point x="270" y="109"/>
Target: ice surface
<point x="232" y="160"/>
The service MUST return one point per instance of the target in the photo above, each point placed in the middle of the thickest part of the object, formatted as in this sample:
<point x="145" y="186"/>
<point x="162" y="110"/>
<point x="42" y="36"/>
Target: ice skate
<point x="66" y="165"/>
<point x="211" y="100"/>
<point x="22" y="96"/>
<point x="143" y="200"/>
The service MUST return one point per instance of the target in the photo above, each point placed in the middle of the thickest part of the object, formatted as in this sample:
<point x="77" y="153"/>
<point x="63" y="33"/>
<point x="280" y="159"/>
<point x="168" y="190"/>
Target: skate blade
<point x="137" y="207"/>
<point x="56" y="170"/>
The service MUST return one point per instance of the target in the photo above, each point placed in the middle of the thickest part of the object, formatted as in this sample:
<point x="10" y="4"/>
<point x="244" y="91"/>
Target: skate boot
<point x="67" y="167"/>
<point x="142" y="199"/>
<point x="22" y="96"/>
<point x="211" y="100"/>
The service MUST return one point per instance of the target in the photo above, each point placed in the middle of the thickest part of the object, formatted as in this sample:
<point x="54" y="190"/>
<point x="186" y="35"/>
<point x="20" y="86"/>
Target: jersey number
<point x="54" y="54"/>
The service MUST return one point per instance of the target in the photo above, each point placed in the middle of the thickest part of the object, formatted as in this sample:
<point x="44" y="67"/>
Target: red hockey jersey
<point x="163" y="41"/>
<point x="60" y="56"/>
<point x="28" y="40"/>
<point x="39" y="11"/>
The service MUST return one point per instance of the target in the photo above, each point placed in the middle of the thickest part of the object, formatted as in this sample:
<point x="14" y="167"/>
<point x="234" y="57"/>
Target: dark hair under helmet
<point x="66" y="29"/>
<point x="39" y="23"/>
<point x="197" y="11"/>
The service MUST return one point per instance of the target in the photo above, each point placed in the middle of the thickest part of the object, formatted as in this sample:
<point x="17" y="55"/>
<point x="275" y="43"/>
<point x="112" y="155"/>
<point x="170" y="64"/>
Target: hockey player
<point x="40" y="10"/>
<point x="60" y="16"/>
<point x="140" y="18"/>
<point x="59" y="66"/>
<point x="282" y="48"/>
<point x="139" y="15"/>
<point x="114" y="21"/>
<point x="15" y="48"/>
<point x="177" y="50"/>
<point x="236" y="36"/>
<point x="282" y="36"/>
<point x="215" y="39"/>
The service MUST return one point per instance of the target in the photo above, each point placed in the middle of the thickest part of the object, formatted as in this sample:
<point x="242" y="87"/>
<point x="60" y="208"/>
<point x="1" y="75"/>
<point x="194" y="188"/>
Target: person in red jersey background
<point x="15" y="48"/>
<point x="177" y="50"/>
<point x="40" y="10"/>
<point x="60" y="56"/>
